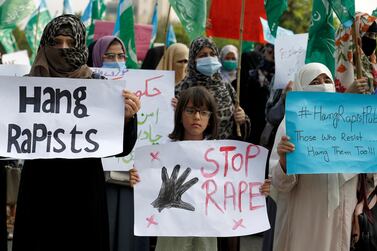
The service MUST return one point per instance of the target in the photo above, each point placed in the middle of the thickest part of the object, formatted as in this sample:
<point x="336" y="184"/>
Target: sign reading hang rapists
<point x="200" y="188"/>
<point x="60" y="117"/>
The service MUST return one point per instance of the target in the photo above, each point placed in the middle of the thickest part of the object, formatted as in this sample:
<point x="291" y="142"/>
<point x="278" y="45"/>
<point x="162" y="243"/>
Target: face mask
<point x="320" y="88"/>
<point x="230" y="65"/>
<point x="208" y="65"/>
<point x="120" y="65"/>
<point x="368" y="45"/>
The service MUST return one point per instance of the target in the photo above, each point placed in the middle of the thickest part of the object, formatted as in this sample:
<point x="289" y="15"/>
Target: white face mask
<point x="320" y="88"/>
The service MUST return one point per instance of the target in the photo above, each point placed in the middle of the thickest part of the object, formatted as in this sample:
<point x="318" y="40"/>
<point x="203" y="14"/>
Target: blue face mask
<point x="119" y="65"/>
<point x="208" y="65"/>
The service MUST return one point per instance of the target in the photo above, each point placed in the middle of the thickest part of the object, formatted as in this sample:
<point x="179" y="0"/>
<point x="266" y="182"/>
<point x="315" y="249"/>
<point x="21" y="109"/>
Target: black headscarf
<point x="62" y="62"/>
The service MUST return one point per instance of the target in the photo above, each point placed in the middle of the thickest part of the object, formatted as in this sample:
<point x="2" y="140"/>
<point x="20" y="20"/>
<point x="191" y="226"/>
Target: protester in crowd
<point x="175" y="59"/>
<point x="195" y="106"/>
<point x="364" y="229"/>
<point x="3" y="206"/>
<point x="203" y="70"/>
<point x="255" y="85"/>
<point x="323" y="203"/>
<point x="152" y="58"/>
<point x="109" y="52"/>
<point x="62" y="202"/>
<point x="229" y="60"/>
<point x="345" y="75"/>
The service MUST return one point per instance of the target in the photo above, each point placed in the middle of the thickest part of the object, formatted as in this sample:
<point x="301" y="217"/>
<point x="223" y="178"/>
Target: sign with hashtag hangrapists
<point x="200" y="188"/>
<point x="332" y="132"/>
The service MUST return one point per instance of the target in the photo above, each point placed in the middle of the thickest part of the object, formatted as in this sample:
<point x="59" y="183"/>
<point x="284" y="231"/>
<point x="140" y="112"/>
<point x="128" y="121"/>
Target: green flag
<point x="344" y="10"/>
<point x="8" y="41"/>
<point x="124" y="29"/>
<point x="12" y="12"/>
<point x="98" y="12"/>
<point x="321" y="44"/>
<point x="374" y="13"/>
<point x="34" y="27"/>
<point x="274" y="11"/>
<point x="192" y="14"/>
<point x="247" y="46"/>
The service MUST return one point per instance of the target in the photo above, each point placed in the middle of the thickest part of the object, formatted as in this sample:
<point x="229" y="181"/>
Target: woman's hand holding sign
<point x="284" y="147"/>
<point x="132" y="104"/>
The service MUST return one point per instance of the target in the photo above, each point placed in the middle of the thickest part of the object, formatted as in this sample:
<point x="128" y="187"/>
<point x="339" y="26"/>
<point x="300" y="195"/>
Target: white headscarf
<point x="228" y="75"/>
<point x="308" y="73"/>
<point x="302" y="83"/>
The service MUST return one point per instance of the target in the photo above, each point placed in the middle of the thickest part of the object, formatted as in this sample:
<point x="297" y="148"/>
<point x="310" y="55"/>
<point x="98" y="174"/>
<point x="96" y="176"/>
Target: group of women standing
<point x="70" y="203"/>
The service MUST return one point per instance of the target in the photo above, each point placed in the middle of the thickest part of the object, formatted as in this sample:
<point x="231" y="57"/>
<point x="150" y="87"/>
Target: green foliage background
<point x="296" y="18"/>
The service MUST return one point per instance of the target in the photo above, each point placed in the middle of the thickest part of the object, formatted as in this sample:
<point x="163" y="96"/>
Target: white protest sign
<point x="200" y="188"/>
<point x="14" y="70"/>
<point x="18" y="57"/>
<point x="267" y="32"/>
<point x="156" y="115"/>
<point x="60" y="117"/>
<point x="290" y="53"/>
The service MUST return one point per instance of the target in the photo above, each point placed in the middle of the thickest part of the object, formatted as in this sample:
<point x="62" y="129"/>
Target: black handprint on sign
<point x="172" y="189"/>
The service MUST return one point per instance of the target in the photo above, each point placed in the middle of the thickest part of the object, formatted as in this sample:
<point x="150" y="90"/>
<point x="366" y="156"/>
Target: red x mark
<point x="154" y="155"/>
<point x="151" y="221"/>
<point x="238" y="224"/>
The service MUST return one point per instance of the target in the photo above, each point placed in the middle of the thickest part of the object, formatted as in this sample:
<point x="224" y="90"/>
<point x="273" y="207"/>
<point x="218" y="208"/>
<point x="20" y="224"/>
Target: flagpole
<point x="36" y="29"/>
<point x="239" y="63"/>
<point x="166" y="33"/>
<point x="356" y="38"/>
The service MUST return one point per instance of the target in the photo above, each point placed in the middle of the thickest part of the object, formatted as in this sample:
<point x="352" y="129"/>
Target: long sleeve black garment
<point x="62" y="203"/>
<point x="3" y="214"/>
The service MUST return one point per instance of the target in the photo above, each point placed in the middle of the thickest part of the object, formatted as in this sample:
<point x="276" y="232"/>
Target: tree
<point x="297" y="17"/>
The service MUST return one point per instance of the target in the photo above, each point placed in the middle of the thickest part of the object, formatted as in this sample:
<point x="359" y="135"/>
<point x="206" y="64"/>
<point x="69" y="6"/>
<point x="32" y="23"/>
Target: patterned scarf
<point x="345" y="70"/>
<point x="58" y="62"/>
<point x="223" y="92"/>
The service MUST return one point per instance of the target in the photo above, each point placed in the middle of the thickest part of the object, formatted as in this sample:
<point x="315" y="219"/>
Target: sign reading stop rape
<point x="60" y="118"/>
<point x="200" y="188"/>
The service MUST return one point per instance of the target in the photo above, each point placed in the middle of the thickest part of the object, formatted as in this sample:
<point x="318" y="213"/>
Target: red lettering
<point x="231" y="196"/>
<point x="249" y="155"/>
<point x="226" y="149"/>
<point x="210" y="175"/>
<point x="252" y="195"/>
<point x="147" y="92"/>
<point x="209" y="194"/>
<point x="234" y="158"/>
<point x="241" y="190"/>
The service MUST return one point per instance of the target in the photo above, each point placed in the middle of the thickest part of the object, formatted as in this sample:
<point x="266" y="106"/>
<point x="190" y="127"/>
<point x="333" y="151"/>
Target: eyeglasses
<point x="372" y="35"/>
<point x="113" y="56"/>
<point x="192" y="112"/>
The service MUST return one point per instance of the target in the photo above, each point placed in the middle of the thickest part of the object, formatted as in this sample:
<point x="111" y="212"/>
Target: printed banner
<point x="156" y="115"/>
<point x="290" y="53"/>
<point x="332" y="132"/>
<point x="103" y="28"/>
<point x="200" y="188"/>
<point x="60" y="117"/>
<point x="143" y="35"/>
